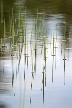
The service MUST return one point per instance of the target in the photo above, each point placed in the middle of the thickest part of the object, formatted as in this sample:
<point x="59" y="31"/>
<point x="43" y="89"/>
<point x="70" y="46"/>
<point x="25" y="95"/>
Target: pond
<point x="35" y="53"/>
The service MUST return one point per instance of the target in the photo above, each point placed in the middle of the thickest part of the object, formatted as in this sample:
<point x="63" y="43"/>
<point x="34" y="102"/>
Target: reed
<point x="53" y="45"/>
<point x="1" y="45"/>
<point x="35" y="50"/>
<point x="23" y="28"/>
<point x="45" y="53"/>
<point x="13" y="35"/>
<point x="43" y="82"/>
<point x="10" y="26"/>
<point x="12" y="69"/>
<point x="35" y="56"/>
<point x="37" y="25"/>
<point x="2" y="11"/>
<point x="25" y="31"/>
<point x="4" y="31"/>
<point x="19" y="16"/>
<point x="44" y="50"/>
<point x="27" y="54"/>
<point x="61" y="48"/>
<point x="35" y="29"/>
<point x="43" y="25"/>
<point x="64" y="49"/>
<point x="55" y="54"/>
<point x="25" y="40"/>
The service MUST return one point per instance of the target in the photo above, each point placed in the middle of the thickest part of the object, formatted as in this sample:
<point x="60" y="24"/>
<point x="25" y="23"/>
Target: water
<point x="35" y="63"/>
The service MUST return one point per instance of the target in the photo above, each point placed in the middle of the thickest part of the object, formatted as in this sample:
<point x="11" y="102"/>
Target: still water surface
<point x="27" y="78"/>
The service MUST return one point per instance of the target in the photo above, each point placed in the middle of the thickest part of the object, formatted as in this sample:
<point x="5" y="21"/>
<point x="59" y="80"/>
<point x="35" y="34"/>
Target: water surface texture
<point x="35" y="53"/>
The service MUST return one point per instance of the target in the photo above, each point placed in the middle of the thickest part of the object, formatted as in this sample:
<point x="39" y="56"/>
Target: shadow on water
<point x="5" y="85"/>
<point x="5" y="81"/>
<point x="3" y="105"/>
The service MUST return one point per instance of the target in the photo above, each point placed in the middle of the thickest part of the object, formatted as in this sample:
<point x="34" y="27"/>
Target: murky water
<point x="35" y="54"/>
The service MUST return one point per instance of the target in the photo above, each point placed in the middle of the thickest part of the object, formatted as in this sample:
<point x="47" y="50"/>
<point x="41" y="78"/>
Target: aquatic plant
<point x="1" y="11"/>
<point x="4" y="31"/>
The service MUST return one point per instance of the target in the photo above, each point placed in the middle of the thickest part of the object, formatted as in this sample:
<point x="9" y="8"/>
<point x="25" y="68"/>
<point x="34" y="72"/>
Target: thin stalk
<point x="53" y="45"/>
<point x="4" y="31"/>
<point x="27" y="54"/>
<point x="1" y="45"/>
<point x="35" y="57"/>
<point x="43" y="84"/>
<point x="45" y="53"/>
<point x="61" y="48"/>
<point x="37" y="25"/>
<point x="19" y="15"/>
<point x="2" y="11"/>
<point x="13" y="34"/>
<point x="43" y="27"/>
<point x="12" y="72"/>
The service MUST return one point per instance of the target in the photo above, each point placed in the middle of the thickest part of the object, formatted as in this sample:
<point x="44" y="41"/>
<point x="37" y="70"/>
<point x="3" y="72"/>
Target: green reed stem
<point x="25" y="30"/>
<point x="4" y="31"/>
<point x="35" y="29"/>
<point x="19" y="16"/>
<point x="37" y="25"/>
<point x="1" y="44"/>
<point x="64" y="41"/>
<point x="13" y="34"/>
<point x="44" y="50"/>
<point x="2" y="11"/>
<point x="45" y="53"/>
<point x="43" y="26"/>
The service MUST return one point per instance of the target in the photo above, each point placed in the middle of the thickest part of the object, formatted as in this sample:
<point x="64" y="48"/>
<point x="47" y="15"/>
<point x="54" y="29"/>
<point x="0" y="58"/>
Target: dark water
<point x="56" y="12"/>
<point x="38" y="72"/>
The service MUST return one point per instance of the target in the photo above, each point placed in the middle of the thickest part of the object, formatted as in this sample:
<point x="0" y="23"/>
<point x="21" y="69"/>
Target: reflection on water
<point x="35" y="53"/>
